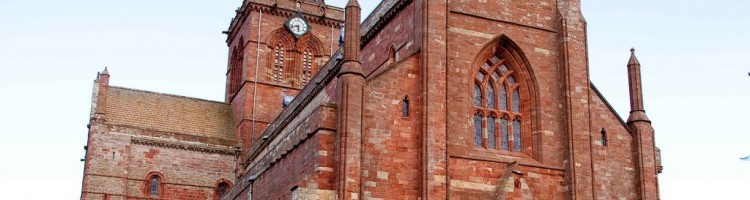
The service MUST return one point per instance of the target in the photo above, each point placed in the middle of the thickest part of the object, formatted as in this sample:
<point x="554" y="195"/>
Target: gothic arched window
<point x="500" y="126"/>
<point x="236" y="67"/>
<point x="292" y="62"/>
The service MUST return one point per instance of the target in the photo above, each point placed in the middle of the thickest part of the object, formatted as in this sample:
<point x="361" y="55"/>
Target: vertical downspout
<point x="257" y="62"/>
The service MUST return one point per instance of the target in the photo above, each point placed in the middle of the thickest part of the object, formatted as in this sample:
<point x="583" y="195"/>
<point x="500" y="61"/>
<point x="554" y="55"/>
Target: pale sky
<point x="693" y="55"/>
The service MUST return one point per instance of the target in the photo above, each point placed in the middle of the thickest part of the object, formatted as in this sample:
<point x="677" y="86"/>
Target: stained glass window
<point x="491" y="138"/>
<point x="516" y="135"/>
<point x="494" y="59"/>
<point x="477" y="95"/>
<point x="490" y="96"/>
<point x="516" y="101"/>
<point x="503" y="98"/>
<point x="504" y="133"/>
<point x="154" y="186"/>
<point x="504" y="68"/>
<point x="478" y="130"/>
<point x="497" y="93"/>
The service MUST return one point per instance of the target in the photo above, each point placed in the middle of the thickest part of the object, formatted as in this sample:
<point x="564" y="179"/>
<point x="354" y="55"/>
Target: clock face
<point x="297" y="26"/>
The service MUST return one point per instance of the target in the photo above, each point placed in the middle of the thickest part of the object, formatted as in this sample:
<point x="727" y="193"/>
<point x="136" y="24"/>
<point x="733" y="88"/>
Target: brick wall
<point x="188" y="142"/>
<point x="118" y="165"/>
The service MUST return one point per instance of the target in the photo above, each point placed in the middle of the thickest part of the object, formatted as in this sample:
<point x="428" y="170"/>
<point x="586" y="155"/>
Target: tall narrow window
<point x="478" y="130"/>
<point x="405" y="107"/>
<point x="503" y="98"/>
<point x="516" y="101"/>
<point x="504" y="134"/>
<point x="307" y="58"/>
<point x="477" y="95"/>
<point x="155" y="185"/>
<point x="497" y="94"/>
<point x="490" y="96"/>
<point x="236" y="66"/>
<point x="604" y="137"/>
<point x="491" y="136"/>
<point x="517" y="135"/>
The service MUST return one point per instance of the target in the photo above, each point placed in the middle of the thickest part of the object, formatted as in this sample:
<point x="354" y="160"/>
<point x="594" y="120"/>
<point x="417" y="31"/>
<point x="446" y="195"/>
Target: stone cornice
<point x="182" y="137"/>
<point x="182" y="146"/>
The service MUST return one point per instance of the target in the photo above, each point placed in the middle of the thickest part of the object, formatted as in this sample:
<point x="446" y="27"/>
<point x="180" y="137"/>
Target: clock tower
<point x="275" y="48"/>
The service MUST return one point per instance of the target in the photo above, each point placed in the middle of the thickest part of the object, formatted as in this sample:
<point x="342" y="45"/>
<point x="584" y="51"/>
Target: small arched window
<point x="154" y="185"/>
<point x="493" y="81"/>
<point x="222" y="188"/>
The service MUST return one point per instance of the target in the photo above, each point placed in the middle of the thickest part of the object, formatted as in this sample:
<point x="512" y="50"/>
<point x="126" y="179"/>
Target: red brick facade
<point x="185" y="146"/>
<point x="423" y="100"/>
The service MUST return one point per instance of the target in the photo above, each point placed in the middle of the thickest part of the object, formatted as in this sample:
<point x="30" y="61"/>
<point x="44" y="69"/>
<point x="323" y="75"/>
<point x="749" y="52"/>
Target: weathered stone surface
<point x="396" y="122"/>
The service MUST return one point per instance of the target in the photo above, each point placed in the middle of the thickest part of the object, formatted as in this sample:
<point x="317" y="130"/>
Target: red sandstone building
<point x="423" y="100"/>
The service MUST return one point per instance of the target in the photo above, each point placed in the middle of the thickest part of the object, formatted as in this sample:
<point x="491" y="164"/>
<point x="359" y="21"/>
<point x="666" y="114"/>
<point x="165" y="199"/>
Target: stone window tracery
<point x="499" y="127"/>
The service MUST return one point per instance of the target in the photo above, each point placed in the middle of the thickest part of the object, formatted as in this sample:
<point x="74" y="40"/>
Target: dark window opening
<point x="223" y="187"/>
<point x="405" y="107"/>
<point x="604" y="137"/>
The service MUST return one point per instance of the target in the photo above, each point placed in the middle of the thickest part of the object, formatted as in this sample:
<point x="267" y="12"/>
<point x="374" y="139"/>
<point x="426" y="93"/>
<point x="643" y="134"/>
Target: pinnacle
<point x="105" y="72"/>
<point x="633" y="60"/>
<point x="354" y="3"/>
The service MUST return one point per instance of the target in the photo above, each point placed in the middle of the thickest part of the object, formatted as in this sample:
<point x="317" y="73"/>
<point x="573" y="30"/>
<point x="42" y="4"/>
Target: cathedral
<point x="423" y="99"/>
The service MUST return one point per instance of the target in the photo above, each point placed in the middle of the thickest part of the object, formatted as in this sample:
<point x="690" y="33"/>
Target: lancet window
<point x="307" y="61"/>
<point x="236" y="67"/>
